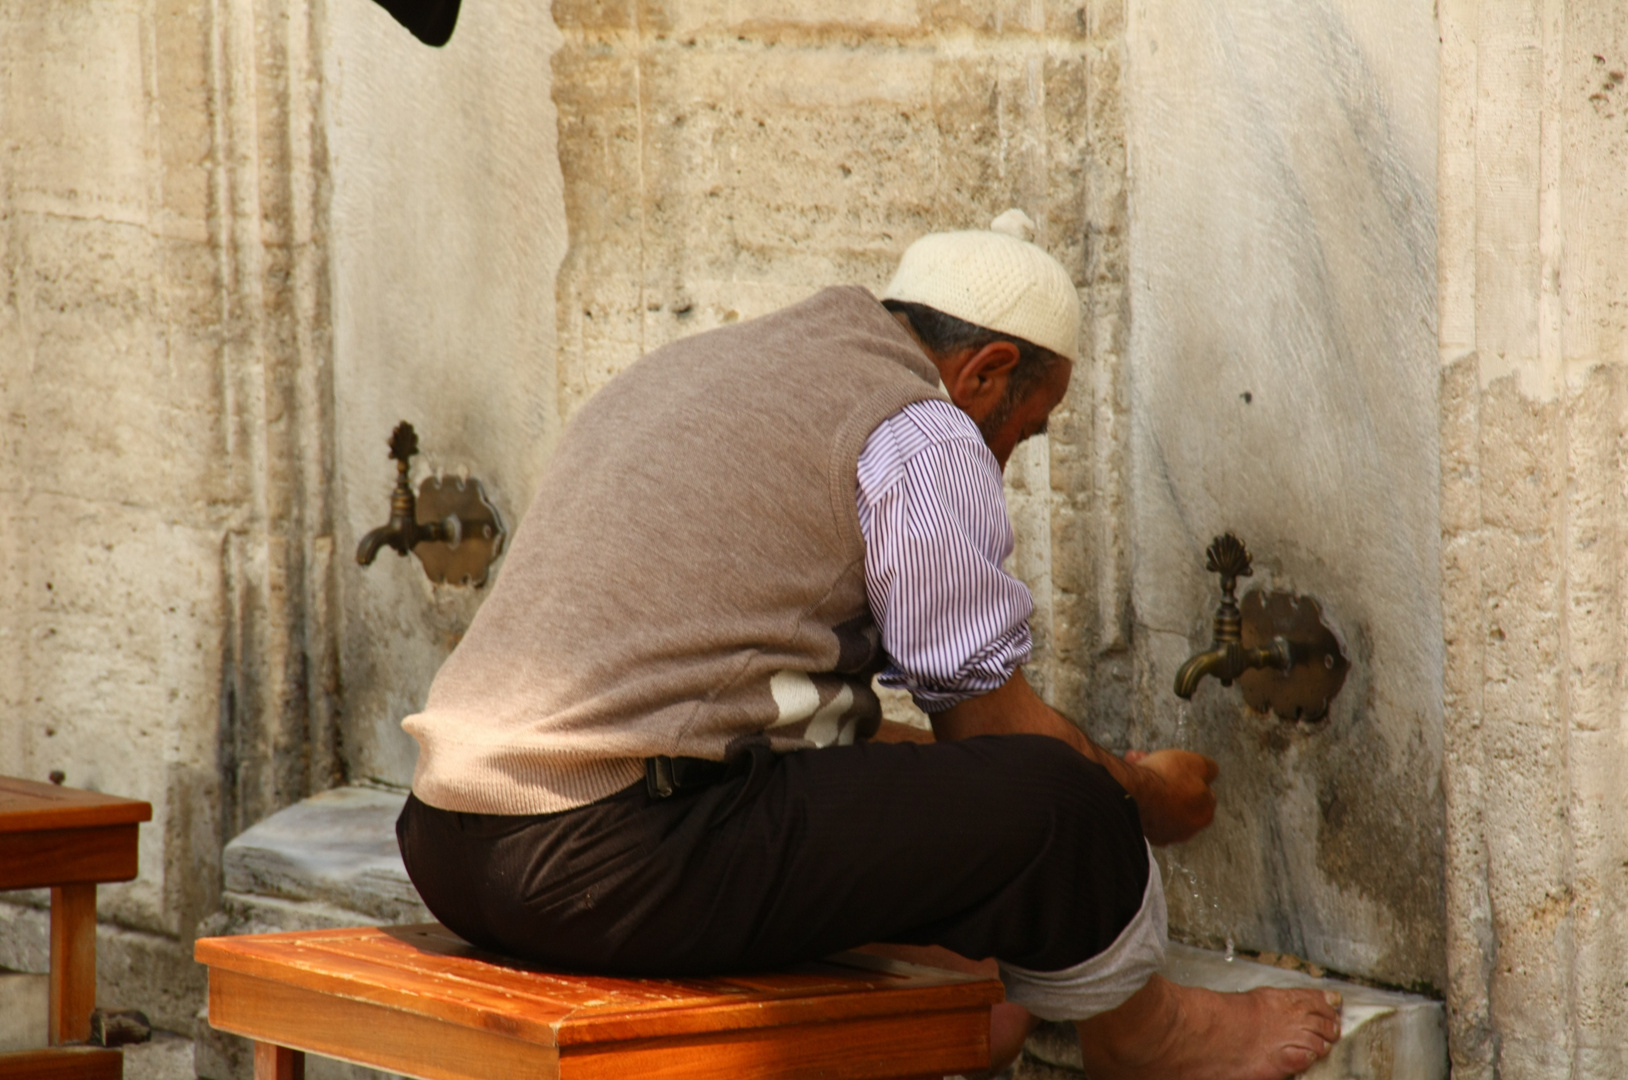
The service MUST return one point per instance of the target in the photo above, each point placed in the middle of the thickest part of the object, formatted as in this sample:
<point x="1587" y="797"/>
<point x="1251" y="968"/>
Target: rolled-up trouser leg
<point x="1014" y="846"/>
<point x="1106" y="980"/>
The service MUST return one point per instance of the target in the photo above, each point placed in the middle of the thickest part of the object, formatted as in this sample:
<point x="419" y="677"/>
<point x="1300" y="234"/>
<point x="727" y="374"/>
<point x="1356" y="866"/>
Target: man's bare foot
<point x="1171" y="1032"/>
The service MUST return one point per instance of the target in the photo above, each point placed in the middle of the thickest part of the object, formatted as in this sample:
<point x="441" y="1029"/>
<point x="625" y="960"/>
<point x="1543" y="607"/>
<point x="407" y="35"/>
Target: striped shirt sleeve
<point x="932" y="510"/>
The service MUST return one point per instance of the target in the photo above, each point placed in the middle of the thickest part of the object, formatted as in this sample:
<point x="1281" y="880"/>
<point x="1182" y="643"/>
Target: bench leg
<point x="73" y="962"/>
<point x="273" y="1062"/>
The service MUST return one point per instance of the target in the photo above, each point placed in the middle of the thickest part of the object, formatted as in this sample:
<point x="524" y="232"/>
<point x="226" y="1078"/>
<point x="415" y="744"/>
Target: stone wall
<point x="163" y="367"/>
<point x="724" y="159"/>
<point x="1534" y="431"/>
<point x="240" y="240"/>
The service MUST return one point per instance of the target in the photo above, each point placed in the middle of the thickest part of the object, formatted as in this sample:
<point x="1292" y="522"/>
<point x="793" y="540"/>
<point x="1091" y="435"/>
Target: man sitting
<point x="652" y="753"/>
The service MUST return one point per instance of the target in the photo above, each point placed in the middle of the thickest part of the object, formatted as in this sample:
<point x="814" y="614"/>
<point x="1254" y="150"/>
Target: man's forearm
<point x="1171" y="787"/>
<point x="1015" y="709"/>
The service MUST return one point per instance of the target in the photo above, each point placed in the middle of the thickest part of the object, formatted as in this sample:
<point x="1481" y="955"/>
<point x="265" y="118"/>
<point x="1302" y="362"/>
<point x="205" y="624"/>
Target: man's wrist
<point x="1143" y="785"/>
<point x="1136" y="780"/>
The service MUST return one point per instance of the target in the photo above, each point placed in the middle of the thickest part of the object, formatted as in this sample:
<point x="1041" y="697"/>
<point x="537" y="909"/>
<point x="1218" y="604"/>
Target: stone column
<point x="163" y="367"/>
<point x="1534" y="433"/>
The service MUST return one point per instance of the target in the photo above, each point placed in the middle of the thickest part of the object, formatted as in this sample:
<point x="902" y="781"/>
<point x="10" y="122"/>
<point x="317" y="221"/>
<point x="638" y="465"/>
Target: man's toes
<point x="1319" y="1005"/>
<point x="1295" y="1058"/>
<point x="1321" y="1024"/>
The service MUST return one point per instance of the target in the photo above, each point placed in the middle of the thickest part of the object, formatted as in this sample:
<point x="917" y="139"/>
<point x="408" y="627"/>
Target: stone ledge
<point x="337" y="849"/>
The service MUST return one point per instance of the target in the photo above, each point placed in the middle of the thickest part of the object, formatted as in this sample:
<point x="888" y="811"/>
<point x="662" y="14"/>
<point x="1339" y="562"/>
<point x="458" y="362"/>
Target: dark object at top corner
<point x="431" y="21"/>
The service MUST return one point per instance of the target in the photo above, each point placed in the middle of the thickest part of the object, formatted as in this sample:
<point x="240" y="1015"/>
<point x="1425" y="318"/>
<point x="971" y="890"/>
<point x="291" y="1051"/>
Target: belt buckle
<point x="658" y="777"/>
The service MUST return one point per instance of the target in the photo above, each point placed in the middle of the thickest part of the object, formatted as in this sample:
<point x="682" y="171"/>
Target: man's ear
<point x="978" y="382"/>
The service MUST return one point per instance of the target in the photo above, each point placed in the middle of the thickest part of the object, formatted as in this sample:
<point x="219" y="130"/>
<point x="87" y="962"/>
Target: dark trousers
<point x="1009" y="846"/>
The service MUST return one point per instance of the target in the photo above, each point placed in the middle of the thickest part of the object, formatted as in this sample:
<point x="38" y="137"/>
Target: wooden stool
<point x="69" y="840"/>
<point x="419" y="1000"/>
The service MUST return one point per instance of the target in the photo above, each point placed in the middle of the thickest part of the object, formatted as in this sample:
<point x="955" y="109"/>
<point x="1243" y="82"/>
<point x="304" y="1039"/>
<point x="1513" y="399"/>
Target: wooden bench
<point x="420" y="1001"/>
<point x="69" y="840"/>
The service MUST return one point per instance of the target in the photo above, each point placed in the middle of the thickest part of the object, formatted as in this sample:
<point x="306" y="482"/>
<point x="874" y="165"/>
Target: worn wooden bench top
<point x="30" y="806"/>
<point x="419" y="1000"/>
<point x="52" y="835"/>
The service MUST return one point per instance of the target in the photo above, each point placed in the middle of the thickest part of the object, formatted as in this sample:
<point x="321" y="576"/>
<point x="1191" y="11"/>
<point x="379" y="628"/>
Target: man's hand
<point x="1171" y="787"/>
<point x="1176" y="800"/>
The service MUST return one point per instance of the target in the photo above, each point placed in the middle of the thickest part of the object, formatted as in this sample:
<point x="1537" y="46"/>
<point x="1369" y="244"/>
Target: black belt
<point x="665" y="776"/>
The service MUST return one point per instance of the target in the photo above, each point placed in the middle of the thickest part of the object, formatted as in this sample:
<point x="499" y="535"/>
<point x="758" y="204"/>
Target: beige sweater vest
<point x="691" y="573"/>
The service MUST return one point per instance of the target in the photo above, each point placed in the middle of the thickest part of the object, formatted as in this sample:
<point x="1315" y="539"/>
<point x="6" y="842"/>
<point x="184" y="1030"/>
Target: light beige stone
<point x="24" y="1011"/>
<point x="445" y="230"/>
<point x="115" y="505"/>
<point x="172" y="415"/>
<point x="1533" y="428"/>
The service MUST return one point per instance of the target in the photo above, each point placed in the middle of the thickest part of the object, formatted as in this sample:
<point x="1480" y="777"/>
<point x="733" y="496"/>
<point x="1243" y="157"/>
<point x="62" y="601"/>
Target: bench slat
<point x="431" y="950"/>
<point x="343" y="977"/>
<point x="63" y="1063"/>
<point x="866" y="1048"/>
<point x="30" y="806"/>
<point x="31" y="860"/>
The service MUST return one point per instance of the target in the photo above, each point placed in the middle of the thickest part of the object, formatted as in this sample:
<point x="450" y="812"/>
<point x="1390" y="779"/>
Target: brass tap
<point x="1226" y="657"/>
<point x="404" y="531"/>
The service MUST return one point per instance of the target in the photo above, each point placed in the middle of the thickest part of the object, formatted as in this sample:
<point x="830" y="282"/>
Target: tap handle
<point x="403" y="443"/>
<point x="1228" y="557"/>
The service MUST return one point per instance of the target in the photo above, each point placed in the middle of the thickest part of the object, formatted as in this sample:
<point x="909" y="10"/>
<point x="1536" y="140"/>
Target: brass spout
<point x="1227" y="658"/>
<point x="1199" y="665"/>
<point x="449" y="524"/>
<point x="368" y="549"/>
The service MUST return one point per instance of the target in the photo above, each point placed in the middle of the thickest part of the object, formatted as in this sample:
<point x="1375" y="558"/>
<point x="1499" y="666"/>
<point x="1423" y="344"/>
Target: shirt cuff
<point x="988" y="669"/>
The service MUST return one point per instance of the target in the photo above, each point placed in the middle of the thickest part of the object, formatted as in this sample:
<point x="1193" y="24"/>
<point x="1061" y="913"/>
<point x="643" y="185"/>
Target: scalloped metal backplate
<point x="469" y="561"/>
<point x="1304" y="692"/>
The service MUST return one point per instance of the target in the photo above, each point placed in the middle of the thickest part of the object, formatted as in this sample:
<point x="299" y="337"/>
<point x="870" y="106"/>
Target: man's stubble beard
<point x="990" y="425"/>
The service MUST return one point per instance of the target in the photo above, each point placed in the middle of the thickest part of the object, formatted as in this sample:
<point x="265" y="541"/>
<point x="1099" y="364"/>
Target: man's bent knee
<point x="1106" y="979"/>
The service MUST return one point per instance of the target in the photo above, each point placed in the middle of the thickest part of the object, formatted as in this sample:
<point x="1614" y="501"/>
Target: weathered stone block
<point x="134" y="970"/>
<point x="1283" y="380"/>
<point x="338" y="848"/>
<point x="24" y="1011"/>
<point x="77" y="150"/>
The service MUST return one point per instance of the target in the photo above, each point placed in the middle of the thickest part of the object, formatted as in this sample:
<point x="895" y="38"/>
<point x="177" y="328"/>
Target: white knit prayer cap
<point x="995" y="279"/>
